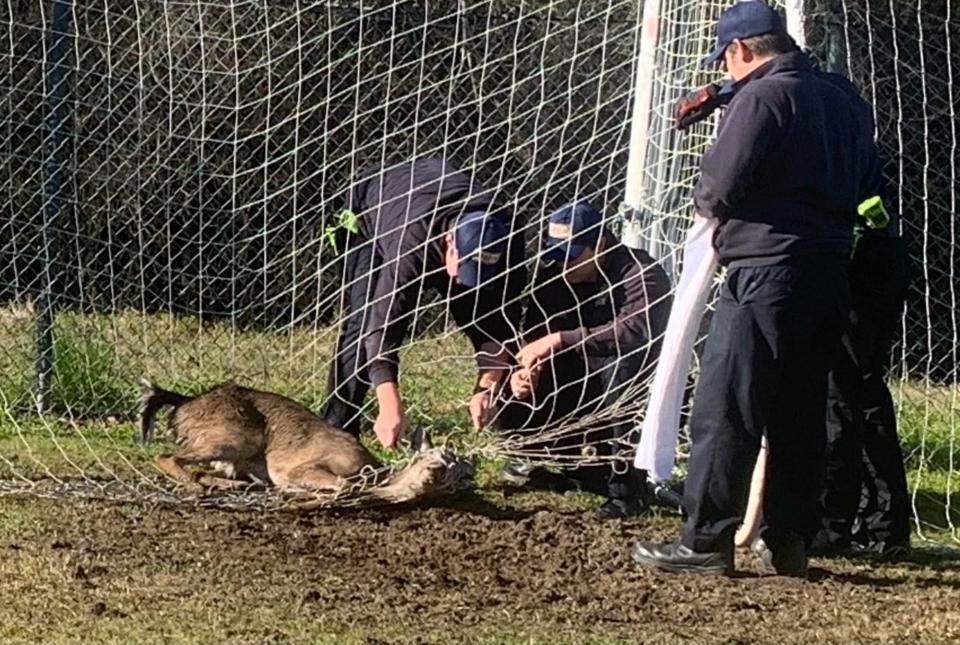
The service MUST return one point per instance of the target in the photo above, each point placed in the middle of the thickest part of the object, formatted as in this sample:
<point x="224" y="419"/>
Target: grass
<point x="99" y="358"/>
<point x="140" y="573"/>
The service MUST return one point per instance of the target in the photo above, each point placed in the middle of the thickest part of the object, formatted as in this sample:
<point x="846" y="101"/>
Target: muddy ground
<point x="477" y="569"/>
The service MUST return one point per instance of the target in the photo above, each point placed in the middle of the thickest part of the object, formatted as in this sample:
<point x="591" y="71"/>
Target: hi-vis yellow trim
<point x="873" y="212"/>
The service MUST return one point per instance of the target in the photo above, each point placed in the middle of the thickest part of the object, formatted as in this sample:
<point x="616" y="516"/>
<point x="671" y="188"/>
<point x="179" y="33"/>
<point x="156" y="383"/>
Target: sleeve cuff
<point x="486" y="355"/>
<point x="383" y="371"/>
<point x="571" y="337"/>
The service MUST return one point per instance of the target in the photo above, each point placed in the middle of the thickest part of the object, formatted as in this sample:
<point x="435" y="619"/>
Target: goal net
<point x="172" y="171"/>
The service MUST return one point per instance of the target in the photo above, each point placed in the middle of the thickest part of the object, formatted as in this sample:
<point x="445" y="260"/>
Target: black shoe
<point x="677" y="558"/>
<point x="788" y="559"/>
<point x="881" y="550"/>
<point x="524" y="475"/>
<point x="666" y="495"/>
<point x="829" y="544"/>
<point x="620" y="509"/>
<point x="515" y="473"/>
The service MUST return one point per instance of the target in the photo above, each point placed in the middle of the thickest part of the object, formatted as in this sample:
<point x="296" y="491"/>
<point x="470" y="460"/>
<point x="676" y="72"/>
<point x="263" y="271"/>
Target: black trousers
<point x="764" y="368"/>
<point x="570" y="387"/>
<point x="865" y="492"/>
<point x="348" y="381"/>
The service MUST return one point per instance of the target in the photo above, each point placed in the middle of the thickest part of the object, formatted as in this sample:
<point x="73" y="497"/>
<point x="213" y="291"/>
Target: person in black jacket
<point x="592" y="332"/>
<point x="793" y="159"/>
<point x="865" y="502"/>
<point x="422" y="225"/>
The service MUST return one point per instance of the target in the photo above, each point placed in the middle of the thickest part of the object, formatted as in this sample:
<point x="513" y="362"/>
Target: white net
<point x="171" y="224"/>
<point x="202" y="150"/>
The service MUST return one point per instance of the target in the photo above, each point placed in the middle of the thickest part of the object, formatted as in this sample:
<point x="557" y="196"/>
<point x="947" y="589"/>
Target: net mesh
<point x="904" y="57"/>
<point x="171" y="223"/>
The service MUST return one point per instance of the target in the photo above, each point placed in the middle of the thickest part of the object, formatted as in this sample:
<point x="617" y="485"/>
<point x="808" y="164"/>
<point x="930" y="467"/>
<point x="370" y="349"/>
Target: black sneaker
<point x="881" y="550"/>
<point x="829" y="544"/>
<point x="677" y="558"/>
<point x="516" y="473"/>
<point x="666" y="495"/>
<point x="620" y="509"/>
<point x="526" y="475"/>
<point x="788" y="559"/>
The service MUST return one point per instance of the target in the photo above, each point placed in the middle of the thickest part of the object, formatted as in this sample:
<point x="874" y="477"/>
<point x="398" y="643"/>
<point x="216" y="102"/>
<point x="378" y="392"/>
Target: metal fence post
<point x="56" y="80"/>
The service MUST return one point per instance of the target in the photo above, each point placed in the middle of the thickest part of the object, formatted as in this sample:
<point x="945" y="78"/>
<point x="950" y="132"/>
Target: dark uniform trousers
<point x="866" y="486"/>
<point x="348" y="381"/>
<point x="570" y="387"/>
<point x="764" y="367"/>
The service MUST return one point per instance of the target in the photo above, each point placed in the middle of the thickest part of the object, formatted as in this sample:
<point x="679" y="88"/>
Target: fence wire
<point x="174" y="217"/>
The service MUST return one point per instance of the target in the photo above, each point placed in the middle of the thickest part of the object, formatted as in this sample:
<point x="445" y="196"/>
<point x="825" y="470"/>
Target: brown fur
<point x="260" y="437"/>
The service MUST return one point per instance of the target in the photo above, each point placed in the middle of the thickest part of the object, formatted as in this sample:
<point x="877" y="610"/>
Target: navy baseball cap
<point x="745" y="19"/>
<point x="481" y="241"/>
<point x="571" y="229"/>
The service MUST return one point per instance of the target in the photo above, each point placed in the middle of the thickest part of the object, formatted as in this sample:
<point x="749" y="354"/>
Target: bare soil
<point x="529" y="568"/>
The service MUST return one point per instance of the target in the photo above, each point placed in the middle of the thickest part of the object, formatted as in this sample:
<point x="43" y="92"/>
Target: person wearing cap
<point x="592" y="331"/>
<point x="422" y="225"/>
<point x="793" y="158"/>
<point x="865" y="503"/>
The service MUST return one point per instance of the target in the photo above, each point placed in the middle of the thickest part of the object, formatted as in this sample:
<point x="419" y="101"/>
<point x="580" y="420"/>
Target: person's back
<point x="422" y="225"/>
<point x="793" y="159"/>
<point x="812" y="158"/>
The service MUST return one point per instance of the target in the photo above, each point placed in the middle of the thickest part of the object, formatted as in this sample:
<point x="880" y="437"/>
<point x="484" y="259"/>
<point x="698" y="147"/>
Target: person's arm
<point x="748" y="135"/>
<point x="390" y="311"/>
<point x="492" y="326"/>
<point x="391" y="419"/>
<point x="638" y="324"/>
<point x="492" y="337"/>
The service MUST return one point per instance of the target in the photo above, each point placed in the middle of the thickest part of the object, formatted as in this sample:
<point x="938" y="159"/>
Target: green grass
<point x="99" y="358"/>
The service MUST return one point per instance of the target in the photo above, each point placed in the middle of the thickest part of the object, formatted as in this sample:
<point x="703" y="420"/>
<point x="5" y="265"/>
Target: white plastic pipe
<point x="640" y="123"/>
<point x="795" y="21"/>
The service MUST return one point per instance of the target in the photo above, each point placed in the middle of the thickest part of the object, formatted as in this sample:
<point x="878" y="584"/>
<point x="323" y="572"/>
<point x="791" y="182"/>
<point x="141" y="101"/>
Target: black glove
<point x="701" y="103"/>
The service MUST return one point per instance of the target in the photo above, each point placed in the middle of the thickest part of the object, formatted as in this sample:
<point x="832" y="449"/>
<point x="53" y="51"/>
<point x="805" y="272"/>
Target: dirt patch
<point x="473" y="571"/>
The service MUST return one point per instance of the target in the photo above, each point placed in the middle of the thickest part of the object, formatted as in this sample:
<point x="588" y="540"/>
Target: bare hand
<point x="389" y="426"/>
<point x="480" y="409"/>
<point x="532" y="353"/>
<point x="524" y="381"/>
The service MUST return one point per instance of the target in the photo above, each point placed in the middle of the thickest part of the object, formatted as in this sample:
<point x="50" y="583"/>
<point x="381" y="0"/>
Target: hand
<point x="532" y="353"/>
<point x="695" y="106"/>
<point x="389" y="426"/>
<point x="524" y="381"/>
<point x="480" y="409"/>
<point x="520" y="384"/>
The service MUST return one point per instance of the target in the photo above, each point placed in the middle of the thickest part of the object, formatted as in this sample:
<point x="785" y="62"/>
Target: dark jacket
<point x="406" y="210"/>
<point x="793" y="158"/>
<point x="625" y="310"/>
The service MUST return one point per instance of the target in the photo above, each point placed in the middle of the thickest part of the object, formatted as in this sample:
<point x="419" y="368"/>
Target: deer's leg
<point x="308" y="477"/>
<point x="173" y="465"/>
<point x="224" y="483"/>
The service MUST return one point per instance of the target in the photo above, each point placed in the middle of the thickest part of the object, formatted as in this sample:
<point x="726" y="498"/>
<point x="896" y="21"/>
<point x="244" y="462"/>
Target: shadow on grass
<point x="877" y="579"/>
<point x="471" y="502"/>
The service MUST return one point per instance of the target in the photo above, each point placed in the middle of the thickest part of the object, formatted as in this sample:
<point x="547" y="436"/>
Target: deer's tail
<point x="152" y="399"/>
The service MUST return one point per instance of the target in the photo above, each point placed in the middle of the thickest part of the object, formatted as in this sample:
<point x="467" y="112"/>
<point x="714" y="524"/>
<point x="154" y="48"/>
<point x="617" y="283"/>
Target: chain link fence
<point x="169" y="170"/>
<point x="204" y="149"/>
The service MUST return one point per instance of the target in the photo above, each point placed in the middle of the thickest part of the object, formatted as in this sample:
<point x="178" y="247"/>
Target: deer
<point x="255" y="438"/>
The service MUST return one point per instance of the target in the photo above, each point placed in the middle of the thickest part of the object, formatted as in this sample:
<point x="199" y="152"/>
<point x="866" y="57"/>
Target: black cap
<point x="571" y="229"/>
<point x="745" y="19"/>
